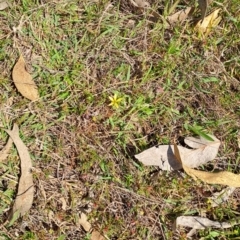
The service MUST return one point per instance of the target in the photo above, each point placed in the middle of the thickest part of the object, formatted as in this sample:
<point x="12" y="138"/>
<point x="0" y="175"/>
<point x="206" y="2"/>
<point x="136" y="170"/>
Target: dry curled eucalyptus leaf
<point x="24" y="198"/>
<point x="223" y="178"/>
<point x="164" y="157"/>
<point x="23" y="80"/>
<point x="201" y="223"/>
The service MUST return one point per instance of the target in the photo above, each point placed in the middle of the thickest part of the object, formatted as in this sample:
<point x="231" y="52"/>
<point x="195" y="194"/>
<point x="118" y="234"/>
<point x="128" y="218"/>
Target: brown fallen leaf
<point x="205" y="151"/>
<point x="195" y="223"/>
<point x="205" y="26"/>
<point x="223" y="178"/>
<point x="88" y="227"/>
<point x="179" y="16"/>
<point x="24" y="198"/>
<point x="201" y="222"/>
<point x="199" y="143"/>
<point x="23" y="81"/>
<point x="177" y="154"/>
<point x="163" y="155"/>
<point x="84" y="222"/>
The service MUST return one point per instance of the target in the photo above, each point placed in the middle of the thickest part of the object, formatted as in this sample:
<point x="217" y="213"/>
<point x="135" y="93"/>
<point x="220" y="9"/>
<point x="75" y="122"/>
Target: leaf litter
<point x="84" y="222"/>
<point x="164" y="157"/>
<point x="173" y="157"/>
<point x="196" y="223"/>
<point x="223" y="178"/>
<point x="205" y="26"/>
<point x="179" y="16"/>
<point x="24" y="198"/>
<point x="95" y="235"/>
<point x="23" y="80"/>
<point x="202" y="222"/>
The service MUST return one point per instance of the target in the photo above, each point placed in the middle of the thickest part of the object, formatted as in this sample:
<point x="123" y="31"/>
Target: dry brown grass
<point x="82" y="52"/>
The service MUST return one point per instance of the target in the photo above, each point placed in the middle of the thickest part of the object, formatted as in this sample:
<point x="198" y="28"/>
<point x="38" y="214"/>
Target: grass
<point x="80" y="53"/>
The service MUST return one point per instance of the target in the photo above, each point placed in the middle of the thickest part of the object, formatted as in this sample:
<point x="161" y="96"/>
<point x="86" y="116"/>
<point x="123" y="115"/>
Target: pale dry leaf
<point x="221" y="197"/>
<point x="179" y="16"/>
<point x="24" y="198"/>
<point x="163" y="155"/>
<point x="205" y="151"/>
<point x="23" y="81"/>
<point x="200" y="223"/>
<point x="87" y="227"/>
<point x="96" y="236"/>
<point x="3" y="5"/>
<point x="208" y="23"/>
<point x="223" y="178"/>
<point x="200" y="142"/>
<point x="84" y="222"/>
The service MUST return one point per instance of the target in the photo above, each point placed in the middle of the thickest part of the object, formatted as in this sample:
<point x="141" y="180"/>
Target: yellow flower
<point x="115" y="101"/>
